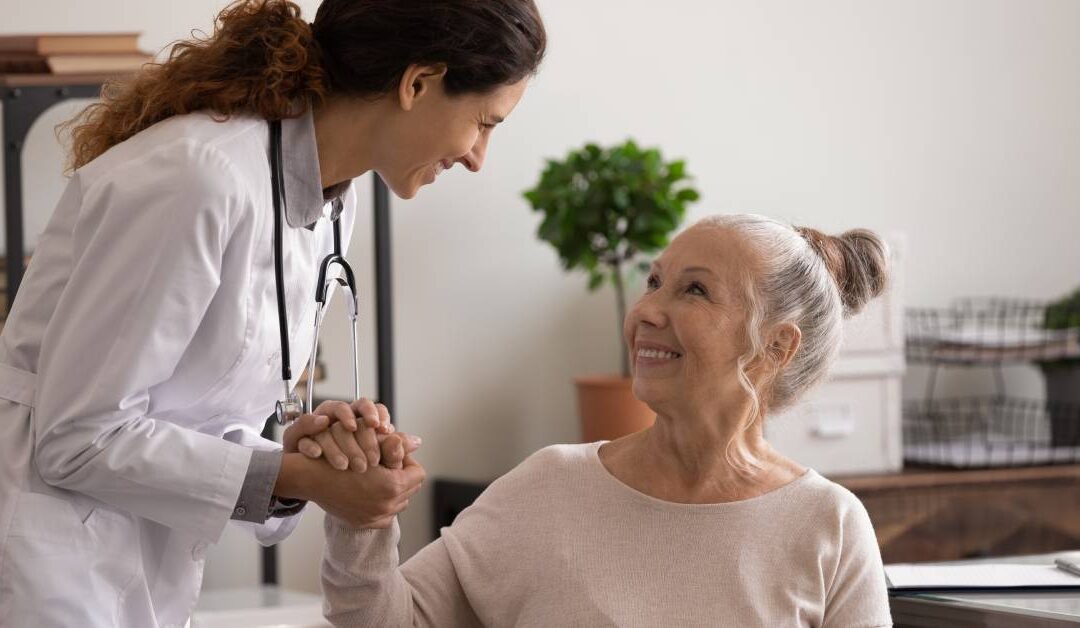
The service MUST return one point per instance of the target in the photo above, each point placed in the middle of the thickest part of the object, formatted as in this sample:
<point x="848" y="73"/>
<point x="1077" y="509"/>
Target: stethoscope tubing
<point x="291" y="407"/>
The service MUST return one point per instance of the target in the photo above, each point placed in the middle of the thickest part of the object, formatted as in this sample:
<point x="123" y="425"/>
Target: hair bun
<point x="858" y="261"/>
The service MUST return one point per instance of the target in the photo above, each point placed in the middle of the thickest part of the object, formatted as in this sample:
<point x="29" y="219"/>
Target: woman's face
<point x="686" y="333"/>
<point x="434" y="131"/>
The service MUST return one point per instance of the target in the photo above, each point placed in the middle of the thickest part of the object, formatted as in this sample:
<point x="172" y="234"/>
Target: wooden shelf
<point x="56" y="80"/>
<point x="923" y="478"/>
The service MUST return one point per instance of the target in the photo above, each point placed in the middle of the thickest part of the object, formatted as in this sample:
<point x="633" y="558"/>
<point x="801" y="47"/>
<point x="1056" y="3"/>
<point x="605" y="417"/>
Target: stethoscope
<point x="289" y="408"/>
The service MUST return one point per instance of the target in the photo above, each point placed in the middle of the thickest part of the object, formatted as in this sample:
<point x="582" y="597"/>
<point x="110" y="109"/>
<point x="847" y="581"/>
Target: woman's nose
<point x="474" y="159"/>
<point x="649" y="310"/>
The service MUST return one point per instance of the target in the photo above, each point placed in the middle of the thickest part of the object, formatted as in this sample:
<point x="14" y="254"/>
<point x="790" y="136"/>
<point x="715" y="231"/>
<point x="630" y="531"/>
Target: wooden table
<point x="937" y="515"/>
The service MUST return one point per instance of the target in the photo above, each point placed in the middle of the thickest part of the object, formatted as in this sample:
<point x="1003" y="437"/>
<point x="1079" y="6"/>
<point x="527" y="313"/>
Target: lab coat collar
<point x="305" y="197"/>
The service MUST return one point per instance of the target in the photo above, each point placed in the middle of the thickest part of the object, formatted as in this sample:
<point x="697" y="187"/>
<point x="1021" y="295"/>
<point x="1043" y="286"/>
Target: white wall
<point x="954" y="122"/>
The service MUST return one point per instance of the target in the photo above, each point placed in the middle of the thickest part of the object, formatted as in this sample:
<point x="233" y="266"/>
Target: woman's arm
<point x="858" y="597"/>
<point x="364" y="586"/>
<point x="473" y="575"/>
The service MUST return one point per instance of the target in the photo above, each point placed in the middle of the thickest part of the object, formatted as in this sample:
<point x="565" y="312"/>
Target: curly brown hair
<point x="263" y="59"/>
<point x="260" y="59"/>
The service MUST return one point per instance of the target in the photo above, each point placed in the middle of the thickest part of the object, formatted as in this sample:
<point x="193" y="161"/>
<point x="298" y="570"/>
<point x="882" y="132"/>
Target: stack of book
<point x="71" y="53"/>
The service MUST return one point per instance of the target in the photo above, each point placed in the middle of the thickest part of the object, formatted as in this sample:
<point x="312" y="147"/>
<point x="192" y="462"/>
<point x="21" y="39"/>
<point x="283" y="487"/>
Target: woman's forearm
<point x="360" y="578"/>
<point x="364" y="586"/>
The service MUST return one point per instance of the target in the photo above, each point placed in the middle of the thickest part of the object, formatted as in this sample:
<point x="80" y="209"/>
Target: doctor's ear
<point x="417" y="81"/>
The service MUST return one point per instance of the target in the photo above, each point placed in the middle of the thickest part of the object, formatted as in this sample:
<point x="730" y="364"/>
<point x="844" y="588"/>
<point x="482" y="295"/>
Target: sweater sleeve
<point x="364" y="586"/>
<point x="858" y="597"/>
<point x="471" y="576"/>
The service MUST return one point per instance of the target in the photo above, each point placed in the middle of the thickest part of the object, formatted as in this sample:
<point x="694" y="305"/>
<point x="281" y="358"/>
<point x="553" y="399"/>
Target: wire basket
<point x="989" y="432"/>
<point x="993" y="331"/>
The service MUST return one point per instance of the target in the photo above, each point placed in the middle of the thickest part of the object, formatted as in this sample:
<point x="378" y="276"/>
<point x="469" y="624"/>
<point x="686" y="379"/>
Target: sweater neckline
<point x="597" y="467"/>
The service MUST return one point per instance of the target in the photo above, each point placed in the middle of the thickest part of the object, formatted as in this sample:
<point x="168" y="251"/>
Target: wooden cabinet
<point x="929" y="515"/>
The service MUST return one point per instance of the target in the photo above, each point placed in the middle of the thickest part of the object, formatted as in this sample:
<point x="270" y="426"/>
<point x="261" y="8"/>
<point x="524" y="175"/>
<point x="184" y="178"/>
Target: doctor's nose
<point x="474" y="159"/>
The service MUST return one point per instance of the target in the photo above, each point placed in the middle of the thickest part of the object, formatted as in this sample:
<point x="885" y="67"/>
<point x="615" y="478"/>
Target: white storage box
<point x="851" y="423"/>
<point x="848" y="425"/>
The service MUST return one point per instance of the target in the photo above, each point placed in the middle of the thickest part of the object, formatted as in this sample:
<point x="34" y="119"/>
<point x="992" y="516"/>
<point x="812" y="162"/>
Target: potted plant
<point x="1063" y="376"/>
<point x="604" y="209"/>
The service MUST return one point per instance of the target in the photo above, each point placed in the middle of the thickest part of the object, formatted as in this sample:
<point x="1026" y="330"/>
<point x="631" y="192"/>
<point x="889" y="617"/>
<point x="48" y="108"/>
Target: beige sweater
<point x="559" y="541"/>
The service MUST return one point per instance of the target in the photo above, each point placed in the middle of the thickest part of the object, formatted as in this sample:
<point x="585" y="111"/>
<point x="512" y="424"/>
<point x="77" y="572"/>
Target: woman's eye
<point x="652" y="283"/>
<point x="698" y="289"/>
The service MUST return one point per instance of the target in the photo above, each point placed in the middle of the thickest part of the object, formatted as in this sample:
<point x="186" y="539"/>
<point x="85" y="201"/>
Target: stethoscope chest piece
<point x="289" y="409"/>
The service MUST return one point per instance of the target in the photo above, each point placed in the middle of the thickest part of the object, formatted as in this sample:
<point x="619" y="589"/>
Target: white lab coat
<point x="148" y="315"/>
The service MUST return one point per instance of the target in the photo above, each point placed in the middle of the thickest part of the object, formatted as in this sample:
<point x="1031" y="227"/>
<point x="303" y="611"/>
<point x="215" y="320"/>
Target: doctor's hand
<point x="347" y="435"/>
<point x="369" y="499"/>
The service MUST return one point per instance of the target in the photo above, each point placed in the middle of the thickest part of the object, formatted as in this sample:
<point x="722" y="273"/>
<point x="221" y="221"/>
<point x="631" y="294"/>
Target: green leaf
<point x="676" y="170"/>
<point x="687" y="195"/>
<point x="595" y="280"/>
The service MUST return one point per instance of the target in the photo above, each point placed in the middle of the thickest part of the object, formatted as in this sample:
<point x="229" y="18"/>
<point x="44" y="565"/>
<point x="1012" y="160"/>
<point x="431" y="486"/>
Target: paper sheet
<point x="982" y="575"/>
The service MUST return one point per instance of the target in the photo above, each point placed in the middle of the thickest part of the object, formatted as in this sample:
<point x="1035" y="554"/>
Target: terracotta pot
<point x="608" y="408"/>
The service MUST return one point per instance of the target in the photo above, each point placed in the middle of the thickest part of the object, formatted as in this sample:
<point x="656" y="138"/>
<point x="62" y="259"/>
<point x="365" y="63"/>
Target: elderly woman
<point x="695" y="521"/>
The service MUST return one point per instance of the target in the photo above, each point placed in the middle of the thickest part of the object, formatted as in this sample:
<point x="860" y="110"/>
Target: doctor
<point x="143" y="352"/>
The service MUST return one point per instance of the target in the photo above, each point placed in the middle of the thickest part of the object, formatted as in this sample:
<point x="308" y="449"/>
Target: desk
<point x="992" y="609"/>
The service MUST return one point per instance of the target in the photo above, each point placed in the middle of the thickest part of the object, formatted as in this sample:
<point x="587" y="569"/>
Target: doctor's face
<point x="439" y="130"/>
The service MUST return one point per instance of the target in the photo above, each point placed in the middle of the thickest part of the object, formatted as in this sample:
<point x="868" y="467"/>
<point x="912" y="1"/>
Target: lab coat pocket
<point x="57" y="553"/>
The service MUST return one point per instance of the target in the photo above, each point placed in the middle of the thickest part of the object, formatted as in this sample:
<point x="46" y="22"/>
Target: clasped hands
<point x="349" y="459"/>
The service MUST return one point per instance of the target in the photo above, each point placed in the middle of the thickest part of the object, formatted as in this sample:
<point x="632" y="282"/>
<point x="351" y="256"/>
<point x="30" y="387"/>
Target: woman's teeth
<point x="653" y="353"/>
<point x="439" y="168"/>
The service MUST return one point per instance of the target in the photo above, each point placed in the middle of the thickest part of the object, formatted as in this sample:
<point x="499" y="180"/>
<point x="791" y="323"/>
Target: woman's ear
<point x="784" y="343"/>
<point x="417" y="82"/>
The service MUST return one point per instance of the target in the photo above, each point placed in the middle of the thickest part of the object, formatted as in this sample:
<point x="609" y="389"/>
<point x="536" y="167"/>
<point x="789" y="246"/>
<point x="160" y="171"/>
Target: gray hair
<point x="807" y="278"/>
